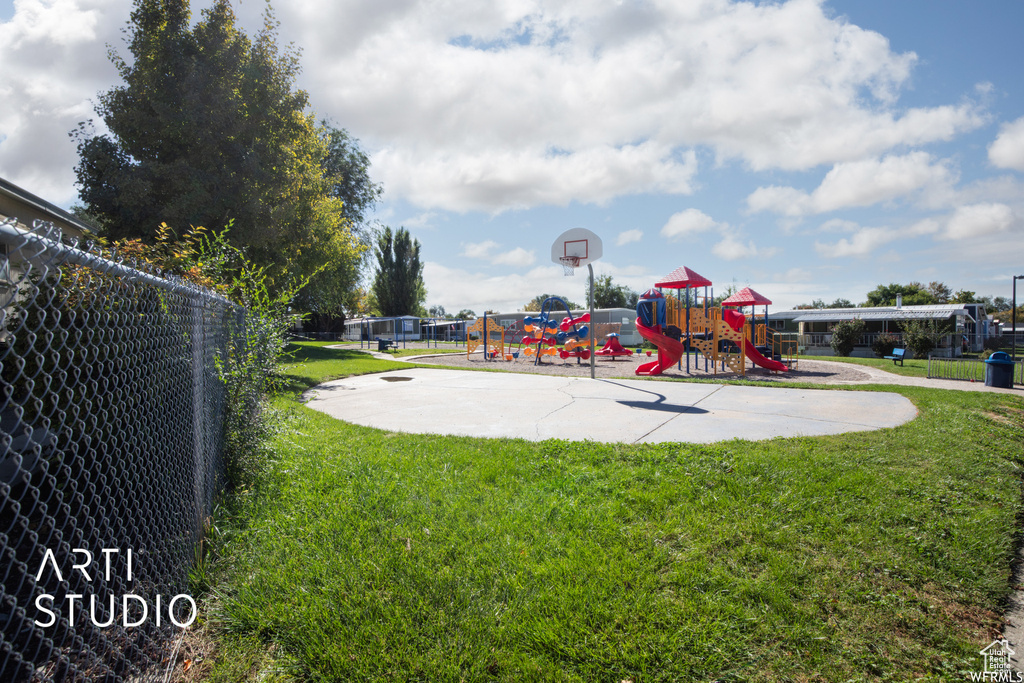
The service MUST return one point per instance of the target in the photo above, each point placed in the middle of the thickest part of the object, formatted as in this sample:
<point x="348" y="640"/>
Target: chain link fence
<point x="110" y="457"/>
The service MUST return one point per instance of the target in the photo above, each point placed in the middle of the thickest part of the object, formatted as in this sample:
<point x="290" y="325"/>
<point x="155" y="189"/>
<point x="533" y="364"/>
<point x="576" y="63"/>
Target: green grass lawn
<point x="442" y="347"/>
<point x="373" y="556"/>
<point x="912" y="367"/>
<point x="402" y="353"/>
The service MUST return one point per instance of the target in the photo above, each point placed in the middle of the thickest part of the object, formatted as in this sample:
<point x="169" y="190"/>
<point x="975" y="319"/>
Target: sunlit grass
<point x="373" y="556"/>
<point x="912" y="367"/>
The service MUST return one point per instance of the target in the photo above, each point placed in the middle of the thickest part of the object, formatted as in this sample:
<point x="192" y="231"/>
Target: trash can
<point x="999" y="370"/>
<point x="383" y="344"/>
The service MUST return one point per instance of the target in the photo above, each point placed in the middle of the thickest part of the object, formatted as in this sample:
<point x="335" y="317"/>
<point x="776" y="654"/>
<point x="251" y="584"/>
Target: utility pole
<point x="1013" y="355"/>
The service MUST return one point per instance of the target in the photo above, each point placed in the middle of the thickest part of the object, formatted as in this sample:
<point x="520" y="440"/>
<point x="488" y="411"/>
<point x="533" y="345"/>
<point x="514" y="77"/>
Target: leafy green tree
<point x="333" y="291"/>
<point x="347" y="170"/>
<point x="964" y="296"/>
<point x="398" y="286"/>
<point x="940" y="292"/>
<point x="536" y="302"/>
<point x="845" y="336"/>
<point x="607" y="294"/>
<point x="437" y="312"/>
<point x="729" y="290"/>
<point x="820" y="303"/>
<point x="207" y="128"/>
<point x="465" y="314"/>
<point x="333" y="288"/>
<point x="1001" y="307"/>
<point x="999" y="303"/>
<point x="914" y="294"/>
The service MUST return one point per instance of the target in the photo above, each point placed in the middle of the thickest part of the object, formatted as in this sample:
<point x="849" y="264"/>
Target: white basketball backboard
<point x="578" y="242"/>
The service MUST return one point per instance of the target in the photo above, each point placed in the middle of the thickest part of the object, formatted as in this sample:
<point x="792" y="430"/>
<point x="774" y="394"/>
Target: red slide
<point x="669" y="350"/>
<point x="736" y="321"/>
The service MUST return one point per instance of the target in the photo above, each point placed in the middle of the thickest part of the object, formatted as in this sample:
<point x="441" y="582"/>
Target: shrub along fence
<point x="111" y="436"/>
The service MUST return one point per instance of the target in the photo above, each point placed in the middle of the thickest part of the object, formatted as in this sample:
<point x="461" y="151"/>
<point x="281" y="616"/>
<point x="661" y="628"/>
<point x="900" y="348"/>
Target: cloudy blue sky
<point x="809" y="149"/>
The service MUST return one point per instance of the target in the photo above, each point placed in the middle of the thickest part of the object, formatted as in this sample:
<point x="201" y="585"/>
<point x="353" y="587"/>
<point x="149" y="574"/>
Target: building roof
<point x="16" y="202"/>
<point x="930" y="312"/>
<point x="746" y="297"/>
<point x="681" y="278"/>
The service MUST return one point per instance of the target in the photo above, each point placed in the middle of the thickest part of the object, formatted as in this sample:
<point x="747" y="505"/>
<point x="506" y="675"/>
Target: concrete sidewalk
<point x="429" y="401"/>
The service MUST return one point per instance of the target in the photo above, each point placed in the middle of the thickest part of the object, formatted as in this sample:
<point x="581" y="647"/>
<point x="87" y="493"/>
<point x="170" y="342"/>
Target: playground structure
<point x="613" y="348"/>
<point x="571" y="333"/>
<point x="485" y="329"/>
<point x="680" y="325"/>
<point x="574" y="248"/>
<point x="539" y="335"/>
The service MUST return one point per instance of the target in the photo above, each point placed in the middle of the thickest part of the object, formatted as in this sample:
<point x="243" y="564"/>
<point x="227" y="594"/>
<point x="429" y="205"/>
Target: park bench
<point x="897" y="356"/>
<point x="385" y="344"/>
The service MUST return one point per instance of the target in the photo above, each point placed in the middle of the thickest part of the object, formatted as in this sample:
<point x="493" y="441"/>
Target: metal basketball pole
<point x="593" y="358"/>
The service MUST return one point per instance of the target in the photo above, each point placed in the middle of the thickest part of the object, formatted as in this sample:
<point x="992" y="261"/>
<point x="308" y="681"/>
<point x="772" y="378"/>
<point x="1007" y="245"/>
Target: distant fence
<point x="968" y="369"/>
<point x="110" y="456"/>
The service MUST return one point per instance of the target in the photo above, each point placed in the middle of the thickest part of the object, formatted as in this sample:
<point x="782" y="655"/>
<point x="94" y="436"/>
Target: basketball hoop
<point x="569" y="264"/>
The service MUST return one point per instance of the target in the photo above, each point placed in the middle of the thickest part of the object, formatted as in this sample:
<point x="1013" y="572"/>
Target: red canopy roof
<point x="746" y="297"/>
<point x="681" y="278"/>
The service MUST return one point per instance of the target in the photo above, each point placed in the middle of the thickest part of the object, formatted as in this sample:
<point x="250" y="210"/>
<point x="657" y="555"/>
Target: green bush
<point x="250" y="366"/>
<point x="921" y="336"/>
<point x="884" y="344"/>
<point x="845" y="336"/>
<point x="992" y="343"/>
<point x="251" y="372"/>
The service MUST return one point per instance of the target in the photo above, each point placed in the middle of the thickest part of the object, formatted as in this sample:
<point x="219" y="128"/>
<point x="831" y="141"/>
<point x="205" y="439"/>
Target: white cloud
<point x="965" y="223"/>
<point x="521" y="103"/>
<point x="856" y="184"/>
<point x="485" y="251"/>
<point x="423" y="220"/>
<point x="979" y="220"/>
<point x="687" y="222"/>
<point x="794" y="275"/>
<point x="466" y="180"/>
<point x="1007" y="151"/>
<point x="838" y="225"/>
<point x="925" y="226"/>
<point x="456" y="288"/>
<point x="787" y="201"/>
<point x="627" y="236"/>
<point x="863" y="242"/>
<point x="53" y="61"/>
<point x="479" y="250"/>
<point x="518" y="257"/>
<point x="732" y="247"/>
<point x="509" y="104"/>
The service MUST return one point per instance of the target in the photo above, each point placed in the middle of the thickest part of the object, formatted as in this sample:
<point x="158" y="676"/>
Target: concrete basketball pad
<point x="494" y="405"/>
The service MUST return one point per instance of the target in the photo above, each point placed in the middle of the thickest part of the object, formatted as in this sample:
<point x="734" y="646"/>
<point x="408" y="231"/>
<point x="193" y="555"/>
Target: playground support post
<point x="689" y="332"/>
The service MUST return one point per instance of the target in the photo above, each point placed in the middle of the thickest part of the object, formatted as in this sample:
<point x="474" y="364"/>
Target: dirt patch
<point x="195" y="655"/>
